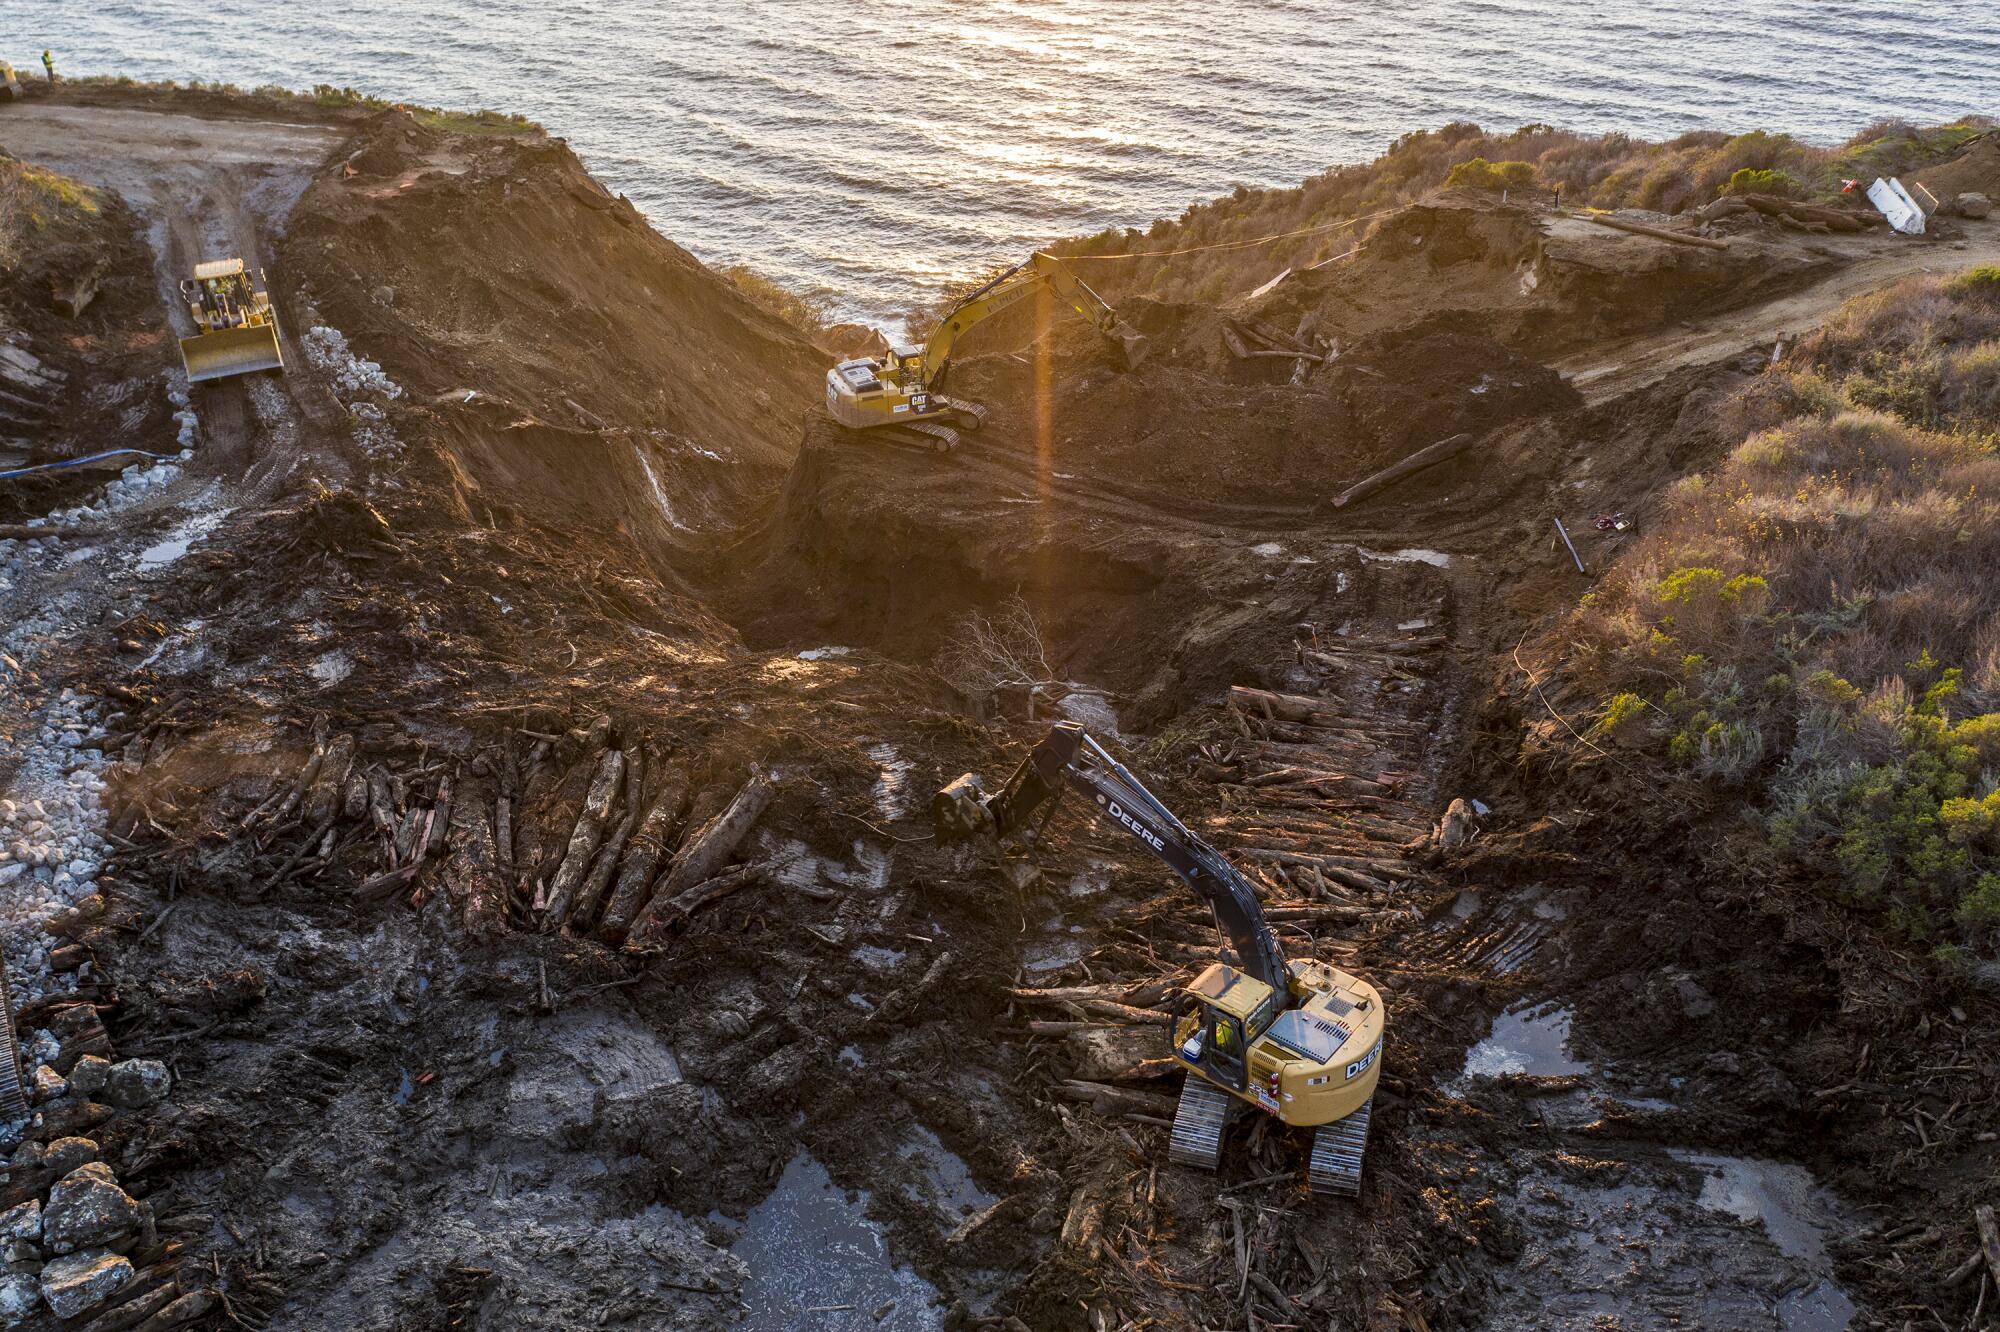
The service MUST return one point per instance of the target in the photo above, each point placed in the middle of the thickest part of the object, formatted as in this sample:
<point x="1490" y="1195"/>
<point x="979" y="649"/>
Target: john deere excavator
<point x="902" y="393"/>
<point x="238" y="331"/>
<point x="1301" y="1040"/>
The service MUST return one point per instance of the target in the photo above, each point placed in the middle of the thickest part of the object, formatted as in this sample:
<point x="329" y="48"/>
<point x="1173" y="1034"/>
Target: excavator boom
<point x="1068" y="755"/>
<point x="904" y="389"/>
<point x="1300" y="1040"/>
<point x="1009" y="288"/>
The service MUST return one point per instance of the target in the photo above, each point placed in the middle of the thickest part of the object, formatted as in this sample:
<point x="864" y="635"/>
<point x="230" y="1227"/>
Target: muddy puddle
<point x="1634" y="1231"/>
<point x="1531" y="1041"/>
<point x="818" y="1264"/>
<point x="1796" y="1215"/>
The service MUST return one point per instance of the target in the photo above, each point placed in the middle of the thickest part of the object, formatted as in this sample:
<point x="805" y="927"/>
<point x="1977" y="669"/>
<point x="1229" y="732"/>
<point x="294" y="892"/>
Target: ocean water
<point x="875" y="152"/>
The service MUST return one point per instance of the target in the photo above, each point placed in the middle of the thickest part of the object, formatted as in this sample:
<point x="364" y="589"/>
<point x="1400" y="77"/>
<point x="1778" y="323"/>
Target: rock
<point x="22" y="1221"/>
<point x="20" y="1299"/>
<point x="1455" y="829"/>
<point x="66" y="1154"/>
<point x="28" y="1156"/>
<point x="67" y="1117"/>
<point x="46" y="1084"/>
<point x="136" y="1083"/>
<point x="385" y="295"/>
<point x="87" y="1077"/>
<point x="86" y="1207"/>
<point x="78" y="1283"/>
<point x="1972" y="204"/>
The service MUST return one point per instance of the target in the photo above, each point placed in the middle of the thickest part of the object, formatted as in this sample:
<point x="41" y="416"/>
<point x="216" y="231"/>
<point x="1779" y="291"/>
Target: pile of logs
<point x="1813" y="218"/>
<point x="1252" y="340"/>
<point x="586" y="837"/>
<point x="574" y="832"/>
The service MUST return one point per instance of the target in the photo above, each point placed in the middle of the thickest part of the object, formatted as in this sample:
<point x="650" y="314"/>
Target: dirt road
<point x="1603" y="374"/>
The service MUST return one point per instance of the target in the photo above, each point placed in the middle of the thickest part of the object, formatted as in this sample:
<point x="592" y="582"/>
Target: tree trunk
<point x="591" y="895"/>
<point x="643" y="855"/>
<point x="706" y="850"/>
<point x="1442" y="451"/>
<point x="586" y="837"/>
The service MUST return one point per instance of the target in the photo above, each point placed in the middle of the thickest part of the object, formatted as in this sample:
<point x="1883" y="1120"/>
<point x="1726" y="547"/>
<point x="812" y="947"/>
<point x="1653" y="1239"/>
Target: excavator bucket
<point x="232" y="351"/>
<point x="1134" y="345"/>
<point x="959" y="812"/>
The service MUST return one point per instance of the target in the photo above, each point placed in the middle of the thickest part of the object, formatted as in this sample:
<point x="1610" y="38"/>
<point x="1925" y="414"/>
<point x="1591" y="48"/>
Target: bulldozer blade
<point x="231" y="351"/>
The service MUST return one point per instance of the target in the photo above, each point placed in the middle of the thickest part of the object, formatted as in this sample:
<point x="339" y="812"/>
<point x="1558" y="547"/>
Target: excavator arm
<point x="1042" y="269"/>
<point x="1068" y="756"/>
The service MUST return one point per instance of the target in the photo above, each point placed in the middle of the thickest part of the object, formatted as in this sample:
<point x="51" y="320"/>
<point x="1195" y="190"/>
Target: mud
<point x="579" y="507"/>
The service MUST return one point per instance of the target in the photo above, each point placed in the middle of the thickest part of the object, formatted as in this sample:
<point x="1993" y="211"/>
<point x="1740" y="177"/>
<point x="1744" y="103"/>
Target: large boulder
<point x="76" y="1284"/>
<point x="87" y="1077"/>
<point x="136" y="1083"/>
<point x="1972" y="204"/>
<point x="86" y="1207"/>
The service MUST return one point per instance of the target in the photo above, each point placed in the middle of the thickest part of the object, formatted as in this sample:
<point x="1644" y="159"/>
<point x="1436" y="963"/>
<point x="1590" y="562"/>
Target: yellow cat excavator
<point x="238" y="332"/>
<point x="902" y="393"/>
<point x="1299" y="1039"/>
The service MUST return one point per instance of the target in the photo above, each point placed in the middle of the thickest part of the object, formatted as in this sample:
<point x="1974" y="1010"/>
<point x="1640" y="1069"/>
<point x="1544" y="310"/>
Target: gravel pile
<point x="352" y="376"/>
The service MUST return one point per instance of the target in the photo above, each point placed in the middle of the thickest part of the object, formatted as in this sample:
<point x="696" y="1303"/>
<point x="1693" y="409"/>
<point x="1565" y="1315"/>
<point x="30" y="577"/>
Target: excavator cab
<point x="1228" y="1013"/>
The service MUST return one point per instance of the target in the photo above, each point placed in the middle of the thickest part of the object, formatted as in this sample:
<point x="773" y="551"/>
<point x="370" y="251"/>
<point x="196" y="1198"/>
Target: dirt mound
<point x="1975" y="169"/>
<point x="1538" y="281"/>
<point x="559" y="316"/>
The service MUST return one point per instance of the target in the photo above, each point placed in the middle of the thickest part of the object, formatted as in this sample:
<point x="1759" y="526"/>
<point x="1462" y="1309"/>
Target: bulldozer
<point x="1297" y="1039"/>
<point x="901" y="393"/>
<point x="237" y="329"/>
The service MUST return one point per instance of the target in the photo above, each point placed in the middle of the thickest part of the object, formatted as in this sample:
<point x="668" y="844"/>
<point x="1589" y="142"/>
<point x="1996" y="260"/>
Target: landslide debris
<point x="525" y="895"/>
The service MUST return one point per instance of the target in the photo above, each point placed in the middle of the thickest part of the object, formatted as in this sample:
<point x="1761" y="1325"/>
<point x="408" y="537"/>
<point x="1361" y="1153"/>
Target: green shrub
<point x="1479" y="174"/>
<point x="1981" y="281"/>
<point x="1758" y="180"/>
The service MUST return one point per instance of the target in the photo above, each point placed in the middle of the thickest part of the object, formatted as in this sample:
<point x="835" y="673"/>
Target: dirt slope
<point x="539" y="548"/>
<point x="687" y="383"/>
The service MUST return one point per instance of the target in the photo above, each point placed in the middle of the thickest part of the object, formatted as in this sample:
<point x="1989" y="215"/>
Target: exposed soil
<point x="540" y="532"/>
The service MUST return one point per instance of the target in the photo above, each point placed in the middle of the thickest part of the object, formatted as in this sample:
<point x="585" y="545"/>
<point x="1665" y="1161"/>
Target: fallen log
<point x="591" y="894"/>
<point x="643" y="855"/>
<point x="1430" y="456"/>
<point x="324" y="799"/>
<point x="1116" y="1100"/>
<point x="1657" y="233"/>
<point x="898" y="1002"/>
<point x="72" y="295"/>
<point x="585" y="837"/>
<point x="662" y="915"/>
<point x="473" y="878"/>
<point x="1075" y="994"/>
<point x="1291" y="707"/>
<point x="1989" y="1240"/>
<point x="22" y="532"/>
<point x="708" y="848"/>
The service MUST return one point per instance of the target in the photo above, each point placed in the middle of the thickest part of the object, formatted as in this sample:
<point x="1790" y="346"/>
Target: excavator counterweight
<point x="902" y="391"/>
<point x="1298" y="1039"/>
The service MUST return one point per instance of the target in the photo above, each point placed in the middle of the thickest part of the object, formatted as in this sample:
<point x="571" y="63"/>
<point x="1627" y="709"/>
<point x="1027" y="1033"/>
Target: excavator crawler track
<point x="1337" y="1152"/>
<point x="924" y="436"/>
<point x="1204" y="1113"/>
<point x="964" y="414"/>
